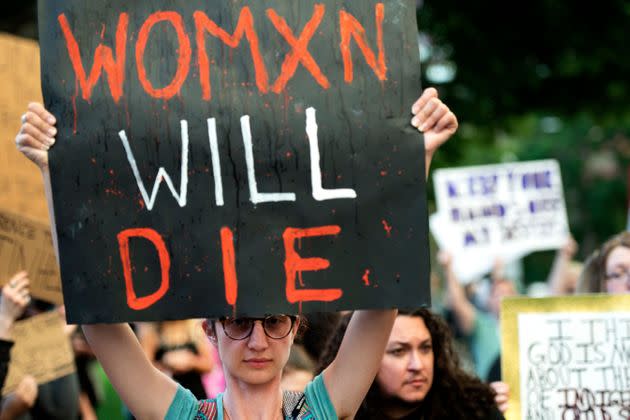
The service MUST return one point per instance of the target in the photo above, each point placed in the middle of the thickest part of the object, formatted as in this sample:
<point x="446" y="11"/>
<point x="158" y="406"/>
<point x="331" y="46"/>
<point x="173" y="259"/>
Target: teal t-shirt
<point x="186" y="407"/>
<point x="485" y="344"/>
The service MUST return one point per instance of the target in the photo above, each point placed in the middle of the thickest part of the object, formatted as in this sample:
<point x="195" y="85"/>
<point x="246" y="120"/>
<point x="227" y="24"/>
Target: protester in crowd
<point x="607" y="270"/>
<point x="253" y="350"/>
<point x="481" y="328"/>
<point x="15" y="297"/>
<point x="420" y="376"/>
<point x="179" y="349"/>
<point x="58" y="399"/>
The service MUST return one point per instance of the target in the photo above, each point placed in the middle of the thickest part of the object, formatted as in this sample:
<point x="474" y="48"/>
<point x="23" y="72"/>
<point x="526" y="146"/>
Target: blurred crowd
<point x="443" y="362"/>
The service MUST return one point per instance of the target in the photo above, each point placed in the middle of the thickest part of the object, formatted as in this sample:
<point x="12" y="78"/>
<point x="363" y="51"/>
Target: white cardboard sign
<point x="505" y="210"/>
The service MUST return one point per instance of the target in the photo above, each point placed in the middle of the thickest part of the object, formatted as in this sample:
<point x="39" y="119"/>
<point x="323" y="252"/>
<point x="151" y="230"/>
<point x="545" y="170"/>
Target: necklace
<point x="227" y="415"/>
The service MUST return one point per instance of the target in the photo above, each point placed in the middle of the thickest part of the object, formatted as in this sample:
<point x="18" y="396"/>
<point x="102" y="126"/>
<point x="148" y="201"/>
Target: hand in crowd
<point x="498" y="270"/>
<point x="26" y="391"/>
<point x="37" y="134"/>
<point x="15" y="298"/>
<point x="503" y="395"/>
<point x="564" y="274"/>
<point x="21" y="400"/>
<point x="445" y="259"/>
<point x="570" y="248"/>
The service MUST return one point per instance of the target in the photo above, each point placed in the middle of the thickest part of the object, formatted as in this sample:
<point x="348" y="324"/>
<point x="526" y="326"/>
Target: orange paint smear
<point x="366" y="277"/>
<point x="114" y="192"/>
<point x="387" y="228"/>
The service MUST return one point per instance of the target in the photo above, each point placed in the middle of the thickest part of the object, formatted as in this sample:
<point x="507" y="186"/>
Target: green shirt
<point x="317" y="405"/>
<point x="485" y="343"/>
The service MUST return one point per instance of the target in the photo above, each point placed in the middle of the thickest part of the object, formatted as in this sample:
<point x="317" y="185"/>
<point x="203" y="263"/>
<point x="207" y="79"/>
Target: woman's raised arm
<point x="349" y="376"/>
<point x="145" y="390"/>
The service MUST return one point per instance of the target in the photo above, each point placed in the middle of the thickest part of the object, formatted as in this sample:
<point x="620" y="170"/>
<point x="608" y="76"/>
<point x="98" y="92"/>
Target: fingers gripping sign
<point x="37" y="134"/>
<point x="434" y="119"/>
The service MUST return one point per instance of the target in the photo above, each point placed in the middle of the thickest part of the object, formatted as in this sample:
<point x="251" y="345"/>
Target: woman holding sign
<point x="253" y="350"/>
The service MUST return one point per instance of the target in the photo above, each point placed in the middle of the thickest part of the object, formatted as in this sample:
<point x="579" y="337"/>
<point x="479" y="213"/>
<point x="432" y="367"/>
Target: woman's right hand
<point x="37" y="134"/>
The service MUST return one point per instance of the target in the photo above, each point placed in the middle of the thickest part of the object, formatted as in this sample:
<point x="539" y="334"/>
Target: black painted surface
<point x="365" y="141"/>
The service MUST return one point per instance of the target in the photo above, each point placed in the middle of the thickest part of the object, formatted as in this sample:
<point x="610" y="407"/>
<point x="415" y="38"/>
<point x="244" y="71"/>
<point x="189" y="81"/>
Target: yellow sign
<point x="567" y="357"/>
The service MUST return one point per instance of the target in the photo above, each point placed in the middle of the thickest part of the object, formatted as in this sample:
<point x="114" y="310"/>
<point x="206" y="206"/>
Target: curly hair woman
<point x="420" y="378"/>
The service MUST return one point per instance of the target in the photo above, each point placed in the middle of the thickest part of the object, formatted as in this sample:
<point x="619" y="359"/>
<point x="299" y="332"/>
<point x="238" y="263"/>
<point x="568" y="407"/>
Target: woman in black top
<point x="178" y="349"/>
<point x="420" y="377"/>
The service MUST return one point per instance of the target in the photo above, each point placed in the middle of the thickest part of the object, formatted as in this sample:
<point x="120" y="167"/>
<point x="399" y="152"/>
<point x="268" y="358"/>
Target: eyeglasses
<point x="275" y="326"/>
<point x="619" y="275"/>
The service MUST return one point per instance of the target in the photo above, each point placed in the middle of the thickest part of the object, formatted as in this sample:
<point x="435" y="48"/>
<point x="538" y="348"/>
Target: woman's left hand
<point x="435" y="120"/>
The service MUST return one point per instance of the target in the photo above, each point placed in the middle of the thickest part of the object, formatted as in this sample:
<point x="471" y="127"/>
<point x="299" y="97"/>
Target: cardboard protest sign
<point x="567" y="357"/>
<point x="235" y="157"/>
<point x="21" y="187"/>
<point x="490" y="211"/>
<point x="41" y="350"/>
<point x="27" y="245"/>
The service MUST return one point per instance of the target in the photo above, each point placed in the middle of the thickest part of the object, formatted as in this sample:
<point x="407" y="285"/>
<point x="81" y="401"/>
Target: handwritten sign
<point x="567" y="358"/>
<point x="490" y="211"/>
<point x="27" y="245"/>
<point x="235" y="156"/>
<point x="21" y="187"/>
<point x="41" y="349"/>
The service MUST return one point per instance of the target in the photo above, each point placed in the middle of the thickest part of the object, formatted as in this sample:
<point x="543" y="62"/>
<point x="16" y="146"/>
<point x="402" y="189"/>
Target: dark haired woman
<point x="420" y="377"/>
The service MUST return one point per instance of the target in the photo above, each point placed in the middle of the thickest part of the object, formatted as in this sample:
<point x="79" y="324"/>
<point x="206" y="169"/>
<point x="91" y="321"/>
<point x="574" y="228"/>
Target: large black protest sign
<point x="241" y="157"/>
